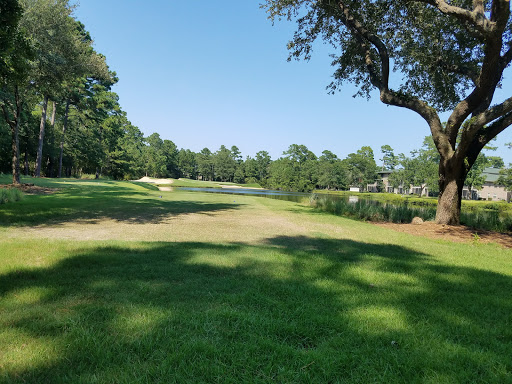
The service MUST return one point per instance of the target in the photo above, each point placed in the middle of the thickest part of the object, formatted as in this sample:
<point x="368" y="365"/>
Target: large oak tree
<point x="451" y="56"/>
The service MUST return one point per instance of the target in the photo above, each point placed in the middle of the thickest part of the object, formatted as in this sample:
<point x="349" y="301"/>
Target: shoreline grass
<point x="487" y="216"/>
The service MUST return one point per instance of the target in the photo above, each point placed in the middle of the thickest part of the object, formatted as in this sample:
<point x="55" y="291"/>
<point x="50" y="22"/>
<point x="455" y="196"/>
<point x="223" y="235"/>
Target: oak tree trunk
<point x="451" y="182"/>
<point x="39" y="157"/>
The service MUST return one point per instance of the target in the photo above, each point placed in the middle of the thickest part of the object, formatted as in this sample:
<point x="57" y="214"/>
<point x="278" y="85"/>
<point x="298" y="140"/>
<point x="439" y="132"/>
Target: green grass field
<point x="116" y="282"/>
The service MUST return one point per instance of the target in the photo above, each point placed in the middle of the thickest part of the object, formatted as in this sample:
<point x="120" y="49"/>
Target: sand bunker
<point x="151" y="180"/>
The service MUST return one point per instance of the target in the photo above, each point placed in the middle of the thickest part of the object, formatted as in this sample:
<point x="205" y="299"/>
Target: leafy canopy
<point x="437" y="56"/>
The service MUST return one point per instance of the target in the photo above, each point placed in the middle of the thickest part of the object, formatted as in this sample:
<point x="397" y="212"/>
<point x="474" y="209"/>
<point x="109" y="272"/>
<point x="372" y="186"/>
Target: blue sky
<point x="212" y="73"/>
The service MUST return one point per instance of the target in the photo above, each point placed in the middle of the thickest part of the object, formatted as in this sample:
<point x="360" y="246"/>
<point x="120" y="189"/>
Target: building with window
<point x="420" y="190"/>
<point x="490" y="190"/>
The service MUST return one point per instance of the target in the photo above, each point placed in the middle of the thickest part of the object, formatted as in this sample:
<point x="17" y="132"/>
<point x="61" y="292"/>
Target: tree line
<point x="59" y="113"/>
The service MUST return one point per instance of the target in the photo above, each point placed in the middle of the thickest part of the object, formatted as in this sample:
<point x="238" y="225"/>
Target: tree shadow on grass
<point x="95" y="204"/>
<point x="295" y="310"/>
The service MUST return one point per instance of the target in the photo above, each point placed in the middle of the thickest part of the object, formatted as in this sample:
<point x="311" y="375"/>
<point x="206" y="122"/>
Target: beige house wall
<point x="493" y="192"/>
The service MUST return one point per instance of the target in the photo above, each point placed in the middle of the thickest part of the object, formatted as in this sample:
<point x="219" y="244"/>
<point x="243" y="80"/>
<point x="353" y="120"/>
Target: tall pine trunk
<point x="99" y="168"/>
<point x="16" y="150"/>
<point x="26" y="163"/>
<point x="42" y="126"/>
<point x="51" y="160"/>
<point x="14" y="124"/>
<point x="64" y="127"/>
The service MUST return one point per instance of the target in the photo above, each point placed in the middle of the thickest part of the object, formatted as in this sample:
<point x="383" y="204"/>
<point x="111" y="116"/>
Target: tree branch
<point x="6" y="114"/>
<point x="493" y="113"/>
<point x="497" y="127"/>
<point x="478" y="7"/>
<point x="476" y="132"/>
<point x="507" y="57"/>
<point x="500" y="11"/>
<point x="357" y="27"/>
<point x="476" y="17"/>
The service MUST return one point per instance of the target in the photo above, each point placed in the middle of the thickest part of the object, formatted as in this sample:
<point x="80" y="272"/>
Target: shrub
<point x="10" y="195"/>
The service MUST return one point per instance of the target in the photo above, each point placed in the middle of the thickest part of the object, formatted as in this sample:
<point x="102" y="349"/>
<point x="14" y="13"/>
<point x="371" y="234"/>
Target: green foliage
<point x="505" y="178"/>
<point x="361" y="167"/>
<point x="495" y="162"/>
<point x="162" y="158"/>
<point x="297" y="171"/>
<point x="251" y="168"/>
<point x="239" y="176"/>
<point x="263" y="161"/>
<point x="187" y="163"/>
<point x="225" y="164"/>
<point x="332" y="172"/>
<point x="10" y="14"/>
<point x="389" y="159"/>
<point x="205" y="164"/>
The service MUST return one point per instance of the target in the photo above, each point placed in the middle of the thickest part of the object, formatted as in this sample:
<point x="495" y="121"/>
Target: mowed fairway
<point x="116" y="282"/>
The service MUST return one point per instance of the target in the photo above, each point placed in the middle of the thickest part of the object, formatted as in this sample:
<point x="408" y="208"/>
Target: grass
<point x="314" y="298"/>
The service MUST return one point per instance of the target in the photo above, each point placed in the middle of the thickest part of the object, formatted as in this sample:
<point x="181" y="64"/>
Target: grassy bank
<point x="239" y="289"/>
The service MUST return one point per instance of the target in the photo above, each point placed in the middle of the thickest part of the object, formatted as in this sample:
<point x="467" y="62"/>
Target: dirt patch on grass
<point x="454" y="233"/>
<point x="31" y="189"/>
<point x="246" y="223"/>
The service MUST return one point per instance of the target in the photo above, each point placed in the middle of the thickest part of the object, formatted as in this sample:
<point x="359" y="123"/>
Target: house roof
<point x="491" y="174"/>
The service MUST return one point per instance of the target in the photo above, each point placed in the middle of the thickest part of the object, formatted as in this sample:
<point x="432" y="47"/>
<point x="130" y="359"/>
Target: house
<point x="402" y="189"/>
<point x="490" y="190"/>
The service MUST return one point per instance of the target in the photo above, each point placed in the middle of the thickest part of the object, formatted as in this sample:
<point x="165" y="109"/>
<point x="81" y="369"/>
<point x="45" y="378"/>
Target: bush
<point x="10" y="195"/>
